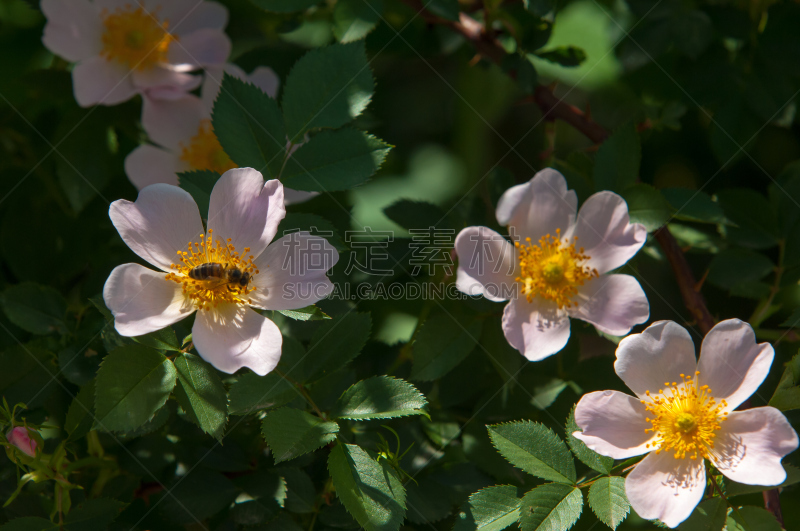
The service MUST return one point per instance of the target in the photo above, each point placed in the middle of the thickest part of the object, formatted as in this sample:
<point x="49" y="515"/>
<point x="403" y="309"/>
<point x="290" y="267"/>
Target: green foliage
<point x="201" y="394"/>
<point x="709" y="515"/>
<point x="326" y="88"/>
<point x="535" y="449"/>
<point x="564" y="55"/>
<point x="285" y="6"/>
<point x="490" y="509"/>
<point x="694" y="205"/>
<point x="416" y="214"/>
<point x="608" y="501"/>
<point x="132" y="384"/>
<point x="354" y="19"/>
<point x="199" y="185"/>
<point x="379" y="397"/>
<point x="252" y="392"/>
<point x="616" y="166"/>
<point x="550" y="507"/>
<point x="442" y="343"/>
<point x="291" y="433"/>
<point x="334" y="344"/>
<point x="309" y="313"/>
<point x="787" y="395"/>
<point x="589" y="457"/>
<point x="647" y="206"/>
<point x="752" y="518"/>
<point x="35" y="308"/>
<point x="369" y="490"/>
<point x="249" y="126"/>
<point x="334" y="160"/>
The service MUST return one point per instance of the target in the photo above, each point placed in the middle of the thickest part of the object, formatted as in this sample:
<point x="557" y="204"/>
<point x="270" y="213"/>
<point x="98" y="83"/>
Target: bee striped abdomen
<point x="207" y="271"/>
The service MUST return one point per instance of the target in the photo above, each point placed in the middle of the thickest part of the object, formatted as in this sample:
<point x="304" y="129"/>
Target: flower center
<point x="212" y="272"/>
<point x="686" y="418"/>
<point x="135" y="37"/>
<point x="552" y="269"/>
<point x="204" y="151"/>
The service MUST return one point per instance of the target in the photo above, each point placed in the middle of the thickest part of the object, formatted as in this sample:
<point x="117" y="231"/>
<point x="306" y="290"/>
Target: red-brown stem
<point x="553" y="108"/>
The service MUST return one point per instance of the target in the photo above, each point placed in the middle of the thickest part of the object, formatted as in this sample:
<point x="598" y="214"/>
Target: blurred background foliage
<point x="701" y="97"/>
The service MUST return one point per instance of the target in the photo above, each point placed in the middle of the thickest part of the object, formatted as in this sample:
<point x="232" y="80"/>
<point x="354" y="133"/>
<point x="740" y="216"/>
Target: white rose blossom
<point x="125" y="47"/>
<point x="683" y="413"/>
<point x="184" y="136"/>
<point x="558" y="265"/>
<point x="164" y="228"/>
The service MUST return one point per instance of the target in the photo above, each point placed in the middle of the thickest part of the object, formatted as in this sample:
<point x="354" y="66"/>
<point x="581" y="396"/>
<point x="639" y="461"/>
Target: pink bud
<point x="20" y="438"/>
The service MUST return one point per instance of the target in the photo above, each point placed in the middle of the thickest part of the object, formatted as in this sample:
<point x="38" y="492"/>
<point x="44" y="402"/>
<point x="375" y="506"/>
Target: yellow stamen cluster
<point x="552" y="269"/>
<point x="209" y="293"/>
<point x="204" y="151"/>
<point x="686" y="418"/>
<point x="135" y="37"/>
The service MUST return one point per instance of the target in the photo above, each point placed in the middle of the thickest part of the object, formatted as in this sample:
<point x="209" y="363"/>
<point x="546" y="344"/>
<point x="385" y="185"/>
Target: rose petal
<point x="613" y="424"/>
<point x="173" y="123"/>
<point x="73" y="29"/>
<point x="187" y="16"/>
<point x="97" y="81"/>
<point x="487" y="264"/>
<point x="612" y="303"/>
<point x="661" y="353"/>
<point x="731" y="363"/>
<point x="162" y="221"/>
<point x="148" y="165"/>
<point x="200" y="48"/>
<point x="605" y="233"/>
<point x="750" y="445"/>
<point x="245" y="209"/>
<point x="664" y="488"/>
<point x="266" y="79"/>
<point x="537" y="329"/>
<point x="538" y="207"/>
<point x="292" y="272"/>
<point x="230" y="337"/>
<point x="21" y="438"/>
<point x="142" y="300"/>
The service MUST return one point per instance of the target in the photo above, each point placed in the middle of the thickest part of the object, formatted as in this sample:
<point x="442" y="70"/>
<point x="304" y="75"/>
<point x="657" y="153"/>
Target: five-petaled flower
<point x="242" y="269"/>
<point x="556" y="268"/>
<point x="125" y="47"/>
<point x="184" y="136"/>
<point x="683" y="413"/>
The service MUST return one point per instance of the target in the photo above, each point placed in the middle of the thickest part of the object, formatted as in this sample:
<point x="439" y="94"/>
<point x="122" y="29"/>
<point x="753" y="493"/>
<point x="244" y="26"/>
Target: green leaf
<point x="787" y="394"/>
<point x="608" y="500"/>
<point x="93" y="514"/>
<point x="201" y="394"/>
<point x="316" y="225"/>
<point x="588" y="456"/>
<point x="733" y="266"/>
<point x="425" y="503"/>
<point x="27" y="373"/>
<point x="252" y="392"/>
<point x="35" y="308"/>
<point x="354" y="19"/>
<point x="327" y="87"/>
<point x="448" y="9"/>
<point x="379" y="397"/>
<point x="335" y="343"/>
<point x="249" y="126"/>
<point x="199" y="184"/>
<point x="694" y="205"/>
<point x="707" y="516"/>
<point x="647" y="206"/>
<point x="291" y="433"/>
<point x="551" y="507"/>
<point x="198" y="495"/>
<point x="132" y="384"/>
<point x="29" y="523"/>
<point x="733" y="488"/>
<point x="545" y="395"/>
<point x="334" y="160"/>
<point x="163" y="339"/>
<point x="756" y="224"/>
<point x="793" y="320"/>
<point x="535" y="449"/>
<point x="411" y="214"/>
<point x="490" y="509"/>
<point x="285" y="6"/>
<point x="751" y="519"/>
<point x="564" y="55"/>
<point x="78" y="366"/>
<point x="617" y="164"/>
<point x="309" y="313"/>
<point x="369" y="490"/>
<point x="80" y="415"/>
<point x="442" y="343"/>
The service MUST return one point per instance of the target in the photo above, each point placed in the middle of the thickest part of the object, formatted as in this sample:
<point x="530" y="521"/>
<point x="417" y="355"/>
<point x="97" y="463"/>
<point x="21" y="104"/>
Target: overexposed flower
<point x="184" y="136"/>
<point x="125" y="47"/>
<point x="683" y="413"/>
<point x="222" y="272"/>
<point x="557" y="266"/>
<point x="22" y="440"/>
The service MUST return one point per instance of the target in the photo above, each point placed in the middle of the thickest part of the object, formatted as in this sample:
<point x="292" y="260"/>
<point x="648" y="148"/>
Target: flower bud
<point x="20" y="438"/>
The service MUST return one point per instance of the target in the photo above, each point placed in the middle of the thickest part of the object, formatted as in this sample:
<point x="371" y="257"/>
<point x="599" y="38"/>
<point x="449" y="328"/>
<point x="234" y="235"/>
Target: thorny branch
<point x="552" y="107"/>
